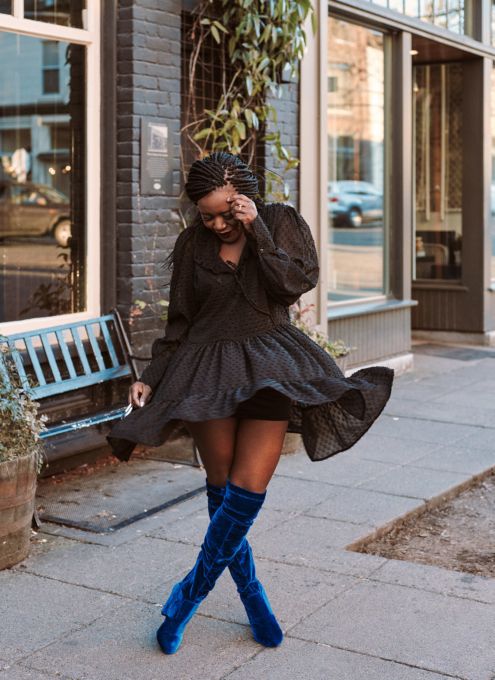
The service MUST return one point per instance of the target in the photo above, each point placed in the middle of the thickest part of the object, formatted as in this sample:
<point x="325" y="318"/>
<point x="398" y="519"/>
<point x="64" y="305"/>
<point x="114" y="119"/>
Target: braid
<point x="218" y="169"/>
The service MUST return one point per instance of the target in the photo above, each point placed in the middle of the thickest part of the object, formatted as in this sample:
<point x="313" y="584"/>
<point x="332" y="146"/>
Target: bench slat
<point x="81" y="381"/>
<point x="52" y="362"/>
<point x="16" y="356"/>
<point x="95" y="347"/>
<point x="109" y="343"/>
<point x="66" y="354"/>
<point x="4" y="375"/>
<point x="80" y="349"/>
<point x="40" y="377"/>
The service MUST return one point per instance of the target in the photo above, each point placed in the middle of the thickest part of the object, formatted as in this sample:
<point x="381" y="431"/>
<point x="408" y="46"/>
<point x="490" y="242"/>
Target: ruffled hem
<point x="331" y="413"/>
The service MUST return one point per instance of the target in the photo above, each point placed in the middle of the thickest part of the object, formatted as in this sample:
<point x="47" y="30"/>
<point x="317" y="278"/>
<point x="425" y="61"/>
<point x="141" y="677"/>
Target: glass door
<point x="438" y="120"/>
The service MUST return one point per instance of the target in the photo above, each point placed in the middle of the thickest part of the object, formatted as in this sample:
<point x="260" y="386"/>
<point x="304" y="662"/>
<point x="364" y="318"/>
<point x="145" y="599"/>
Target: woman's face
<point x="216" y="213"/>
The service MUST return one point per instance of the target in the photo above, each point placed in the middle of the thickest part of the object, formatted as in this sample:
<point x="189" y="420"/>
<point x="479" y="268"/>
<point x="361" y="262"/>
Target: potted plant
<point x="20" y="461"/>
<point x="337" y="349"/>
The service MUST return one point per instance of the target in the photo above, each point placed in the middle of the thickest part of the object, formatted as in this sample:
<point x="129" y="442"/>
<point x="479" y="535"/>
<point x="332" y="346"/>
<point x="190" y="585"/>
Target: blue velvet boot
<point x="222" y="540"/>
<point x="265" y="627"/>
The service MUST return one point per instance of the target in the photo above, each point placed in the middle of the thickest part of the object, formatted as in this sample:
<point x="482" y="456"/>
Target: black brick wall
<point x="148" y="84"/>
<point x="287" y="108"/>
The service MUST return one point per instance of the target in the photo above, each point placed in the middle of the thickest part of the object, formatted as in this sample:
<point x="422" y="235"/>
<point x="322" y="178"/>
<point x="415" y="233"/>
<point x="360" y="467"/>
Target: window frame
<point x="89" y="37"/>
<point x="359" y="301"/>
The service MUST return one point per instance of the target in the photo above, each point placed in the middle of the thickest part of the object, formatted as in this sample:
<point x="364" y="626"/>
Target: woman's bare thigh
<point x="258" y="446"/>
<point x="215" y="440"/>
<point x="246" y="451"/>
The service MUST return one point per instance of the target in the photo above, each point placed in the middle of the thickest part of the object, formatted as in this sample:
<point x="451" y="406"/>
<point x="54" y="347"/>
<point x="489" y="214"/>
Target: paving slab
<point x="141" y="569"/>
<point x="457" y="458"/>
<point x="124" y="647"/>
<point x="416" y="482"/>
<point x="191" y="529"/>
<point x="483" y="438"/>
<point x="317" y="542"/>
<point x="345" y="470"/>
<point x="289" y="494"/>
<point x="364" y="506"/>
<point x="394" y="450"/>
<point x="309" y="588"/>
<point x="423" y="429"/>
<point x="441" y="413"/>
<point x="35" y="611"/>
<point x="300" y="660"/>
<point x="436" y="579"/>
<point x="434" y="632"/>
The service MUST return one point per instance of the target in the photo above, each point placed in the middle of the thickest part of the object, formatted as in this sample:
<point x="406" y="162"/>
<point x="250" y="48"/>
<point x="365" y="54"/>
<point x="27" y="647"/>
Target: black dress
<point x="229" y="335"/>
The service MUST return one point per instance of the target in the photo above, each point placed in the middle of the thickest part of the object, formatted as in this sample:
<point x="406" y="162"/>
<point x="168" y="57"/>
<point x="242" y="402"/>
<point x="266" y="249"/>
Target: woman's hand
<point x="243" y="209"/>
<point x="139" y="394"/>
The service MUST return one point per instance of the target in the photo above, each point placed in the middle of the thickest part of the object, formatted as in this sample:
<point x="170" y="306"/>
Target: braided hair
<point x="217" y="170"/>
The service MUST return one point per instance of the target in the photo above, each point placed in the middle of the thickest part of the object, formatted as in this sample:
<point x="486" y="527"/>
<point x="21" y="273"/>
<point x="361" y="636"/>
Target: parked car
<point x="34" y="210"/>
<point x="353" y="203"/>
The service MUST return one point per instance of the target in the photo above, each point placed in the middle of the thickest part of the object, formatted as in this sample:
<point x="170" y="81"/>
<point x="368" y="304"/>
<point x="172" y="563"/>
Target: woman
<point x="238" y="374"/>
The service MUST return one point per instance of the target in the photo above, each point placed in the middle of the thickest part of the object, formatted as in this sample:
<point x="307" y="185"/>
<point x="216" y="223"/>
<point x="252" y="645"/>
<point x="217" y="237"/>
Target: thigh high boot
<point x="264" y="625"/>
<point x="222" y="540"/>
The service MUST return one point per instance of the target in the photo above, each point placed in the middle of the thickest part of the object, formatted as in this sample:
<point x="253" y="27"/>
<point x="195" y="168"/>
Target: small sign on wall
<point x="156" y="157"/>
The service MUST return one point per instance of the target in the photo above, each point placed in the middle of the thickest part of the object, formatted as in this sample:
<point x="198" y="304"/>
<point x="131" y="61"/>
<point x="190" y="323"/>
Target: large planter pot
<point x="292" y="443"/>
<point x="342" y="362"/>
<point x="17" y="491"/>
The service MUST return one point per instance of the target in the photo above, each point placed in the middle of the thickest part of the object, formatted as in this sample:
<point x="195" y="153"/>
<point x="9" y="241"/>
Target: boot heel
<point x="178" y="612"/>
<point x="265" y="627"/>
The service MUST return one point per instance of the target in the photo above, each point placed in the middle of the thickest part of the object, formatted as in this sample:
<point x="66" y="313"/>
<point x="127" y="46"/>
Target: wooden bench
<point x="69" y="357"/>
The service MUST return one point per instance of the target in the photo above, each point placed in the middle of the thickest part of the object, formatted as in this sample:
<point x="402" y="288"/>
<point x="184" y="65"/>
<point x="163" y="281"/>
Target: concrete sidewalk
<point x="87" y="606"/>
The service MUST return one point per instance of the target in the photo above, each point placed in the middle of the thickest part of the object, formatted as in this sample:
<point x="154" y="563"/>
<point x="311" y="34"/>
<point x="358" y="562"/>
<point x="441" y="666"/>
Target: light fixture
<point x="52" y="171"/>
<point x="413" y="52"/>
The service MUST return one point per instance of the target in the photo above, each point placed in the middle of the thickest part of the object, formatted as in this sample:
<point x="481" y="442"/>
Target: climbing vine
<point x="260" y="44"/>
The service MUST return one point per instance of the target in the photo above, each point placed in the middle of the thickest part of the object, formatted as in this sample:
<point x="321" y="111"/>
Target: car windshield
<point x="54" y="195"/>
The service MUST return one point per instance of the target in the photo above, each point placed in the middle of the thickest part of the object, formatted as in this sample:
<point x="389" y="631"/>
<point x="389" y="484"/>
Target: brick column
<point x="148" y="84"/>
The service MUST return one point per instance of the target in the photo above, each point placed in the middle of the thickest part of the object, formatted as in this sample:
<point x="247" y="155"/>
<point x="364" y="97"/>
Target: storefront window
<point x="356" y="161"/>
<point x="42" y="177"/>
<point x="492" y="192"/>
<point x="5" y="6"/>
<point x="63" y="12"/>
<point x="448" y="14"/>
<point x="439" y="162"/>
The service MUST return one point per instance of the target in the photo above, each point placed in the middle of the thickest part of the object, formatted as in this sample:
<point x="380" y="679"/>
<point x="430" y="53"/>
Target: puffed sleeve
<point x="286" y="254"/>
<point x="181" y="310"/>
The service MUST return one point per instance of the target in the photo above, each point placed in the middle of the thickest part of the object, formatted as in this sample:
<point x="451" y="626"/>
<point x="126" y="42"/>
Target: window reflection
<point x="439" y="162"/>
<point x="63" y="12"/>
<point x="5" y="6"/>
<point x="355" y="161"/>
<point x="448" y="14"/>
<point x="42" y="177"/>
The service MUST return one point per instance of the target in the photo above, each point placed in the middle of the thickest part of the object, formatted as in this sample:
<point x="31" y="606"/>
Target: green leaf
<point x="202" y="134"/>
<point x="241" y="128"/>
<point x="249" y="85"/>
<point x="220" y="26"/>
<point x="205" y="22"/>
<point x="263" y="63"/>
<point x="215" y="34"/>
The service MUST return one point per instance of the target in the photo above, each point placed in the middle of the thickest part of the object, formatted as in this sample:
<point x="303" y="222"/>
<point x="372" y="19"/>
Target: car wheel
<point x="62" y="233"/>
<point x="355" y="218"/>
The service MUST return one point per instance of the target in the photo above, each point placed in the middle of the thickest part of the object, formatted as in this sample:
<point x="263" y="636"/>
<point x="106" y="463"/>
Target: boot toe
<point x="168" y="640"/>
